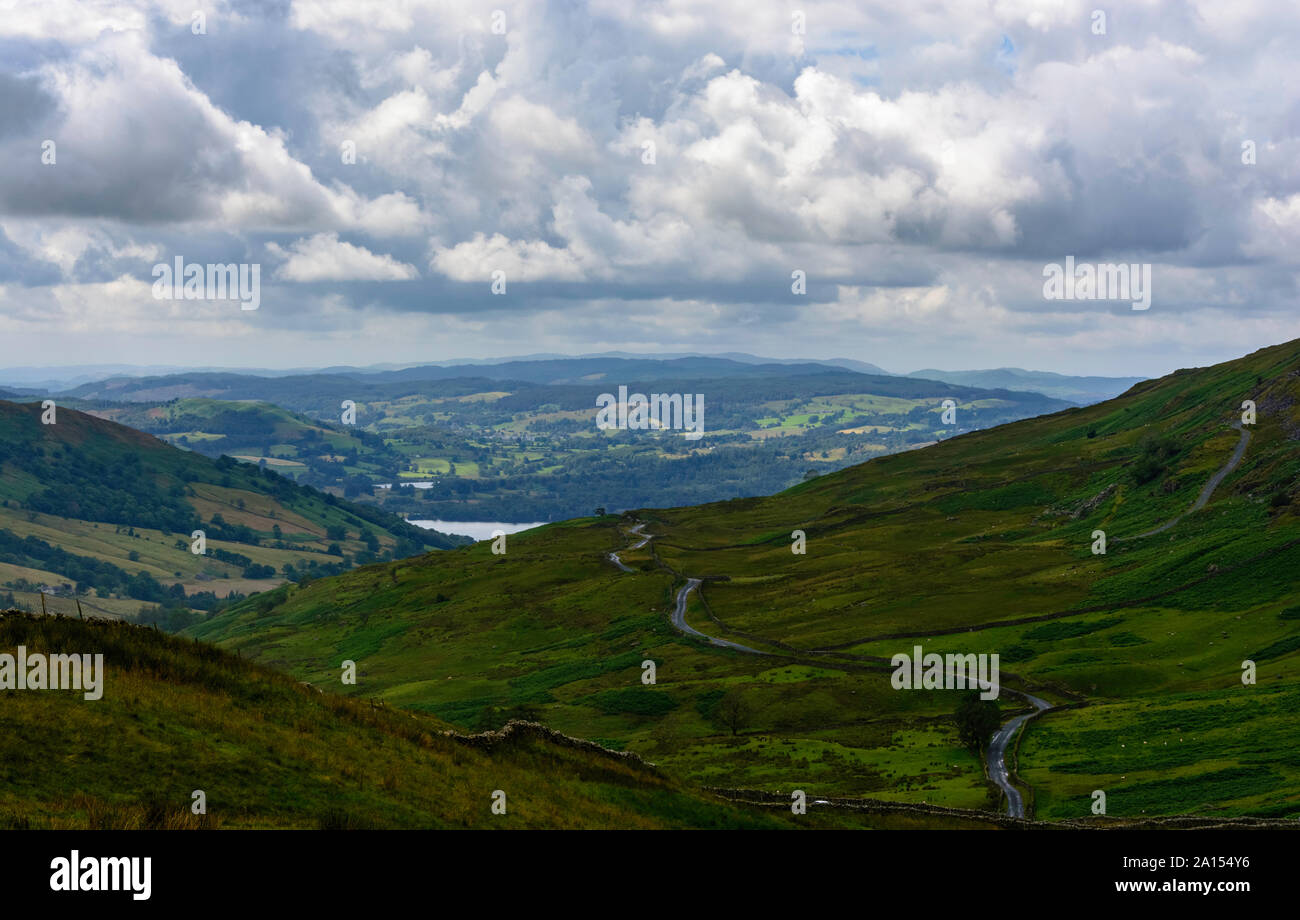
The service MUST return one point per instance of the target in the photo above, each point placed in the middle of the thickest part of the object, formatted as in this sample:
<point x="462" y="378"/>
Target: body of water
<point x="479" y="530"/>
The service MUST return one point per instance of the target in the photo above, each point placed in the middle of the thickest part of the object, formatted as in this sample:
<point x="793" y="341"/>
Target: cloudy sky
<point x="648" y="176"/>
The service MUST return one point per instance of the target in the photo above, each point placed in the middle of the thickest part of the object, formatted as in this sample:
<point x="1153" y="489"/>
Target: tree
<point x="1153" y="461"/>
<point x="977" y="720"/>
<point x="733" y="712"/>
<point x="600" y="512"/>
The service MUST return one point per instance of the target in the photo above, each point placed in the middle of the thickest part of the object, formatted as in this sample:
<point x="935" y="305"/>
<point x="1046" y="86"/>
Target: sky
<point x="649" y="176"/>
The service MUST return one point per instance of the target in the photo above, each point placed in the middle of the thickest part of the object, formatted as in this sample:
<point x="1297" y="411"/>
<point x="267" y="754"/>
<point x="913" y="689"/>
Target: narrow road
<point x="1002" y="738"/>
<point x="683" y="594"/>
<point x="1208" y="489"/>
<point x="997" y="765"/>
<point x="679" y="621"/>
<point x="613" y="557"/>
<point x="997" y="754"/>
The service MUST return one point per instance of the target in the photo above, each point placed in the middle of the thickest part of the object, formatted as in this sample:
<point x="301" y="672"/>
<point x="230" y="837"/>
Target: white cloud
<point x="477" y="259"/>
<point x="324" y="257"/>
<point x="919" y="161"/>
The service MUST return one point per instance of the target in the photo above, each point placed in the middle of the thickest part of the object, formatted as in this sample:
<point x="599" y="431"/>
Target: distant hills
<point x="525" y="446"/>
<point x="1082" y="391"/>
<point x="298" y="391"/>
<point x="98" y="512"/>
<point x="517" y="441"/>
<point x="123" y="381"/>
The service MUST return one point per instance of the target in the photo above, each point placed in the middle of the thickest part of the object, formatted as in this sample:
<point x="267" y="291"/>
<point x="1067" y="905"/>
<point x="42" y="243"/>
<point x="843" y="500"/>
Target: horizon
<point x="106" y="370"/>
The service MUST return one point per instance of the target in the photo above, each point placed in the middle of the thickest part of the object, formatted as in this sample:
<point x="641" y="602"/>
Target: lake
<point x="479" y="530"/>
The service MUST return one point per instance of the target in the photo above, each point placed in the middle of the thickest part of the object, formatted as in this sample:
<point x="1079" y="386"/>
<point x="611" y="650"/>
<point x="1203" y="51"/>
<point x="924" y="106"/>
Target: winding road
<point x="1208" y="489"/>
<point x="1002" y="738"/>
<point x="683" y="595"/>
<point x="997" y="753"/>
<point x="679" y="621"/>
<point x="636" y="530"/>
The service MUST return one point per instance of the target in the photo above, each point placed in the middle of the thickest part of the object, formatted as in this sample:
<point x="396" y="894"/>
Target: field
<point x="980" y="544"/>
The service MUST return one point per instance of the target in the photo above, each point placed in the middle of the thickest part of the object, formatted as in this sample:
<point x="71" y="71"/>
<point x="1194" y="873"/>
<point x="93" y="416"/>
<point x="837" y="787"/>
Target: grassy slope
<point x="40" y="456"/>
<point x="277" y="427"/>
<point x="973" y="532"/>
<point x="268" y="752"/>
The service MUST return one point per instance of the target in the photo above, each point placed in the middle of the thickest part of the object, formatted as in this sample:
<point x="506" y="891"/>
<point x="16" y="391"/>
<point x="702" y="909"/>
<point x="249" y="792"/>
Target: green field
<point x="980" y="530"/>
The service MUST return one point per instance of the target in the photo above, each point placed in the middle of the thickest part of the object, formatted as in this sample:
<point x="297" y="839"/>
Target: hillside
<point x="979" y="544"/>
<point x="267" y="752"/>
<point x="105" y="513"/>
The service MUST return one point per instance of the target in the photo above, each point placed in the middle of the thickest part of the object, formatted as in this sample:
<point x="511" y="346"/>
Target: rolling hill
<point x="517" y="450"/>
<point x="981" y="544"/>
<point x="104" y="515"/>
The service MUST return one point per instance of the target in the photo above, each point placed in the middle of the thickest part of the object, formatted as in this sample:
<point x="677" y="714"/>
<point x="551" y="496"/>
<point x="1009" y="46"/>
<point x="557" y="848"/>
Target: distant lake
<point x="479" y="530"/>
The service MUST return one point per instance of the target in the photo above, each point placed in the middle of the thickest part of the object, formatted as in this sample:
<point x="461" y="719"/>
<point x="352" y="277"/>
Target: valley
<point x="523" y="444"/>
<point x="980" y="544"/>
<point x="768" y="623"/>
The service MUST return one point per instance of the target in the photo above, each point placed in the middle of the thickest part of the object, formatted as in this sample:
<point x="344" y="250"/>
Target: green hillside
<point x="102" y="513"/>
<point x="980" y="544"/>
<point x="266" y="751"/>
<point x="292" y="444"/>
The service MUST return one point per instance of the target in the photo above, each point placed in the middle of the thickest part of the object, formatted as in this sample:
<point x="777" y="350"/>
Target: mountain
<point x="105" y="513"/>
<point x="1082" y="391"/>
<point x="861" y="367"/>
<point x="986" y="543"/>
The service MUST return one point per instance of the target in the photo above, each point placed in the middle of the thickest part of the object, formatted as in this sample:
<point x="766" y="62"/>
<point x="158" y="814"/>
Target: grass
<point x="266" y="751"/>
<point x="949" y="547"/>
